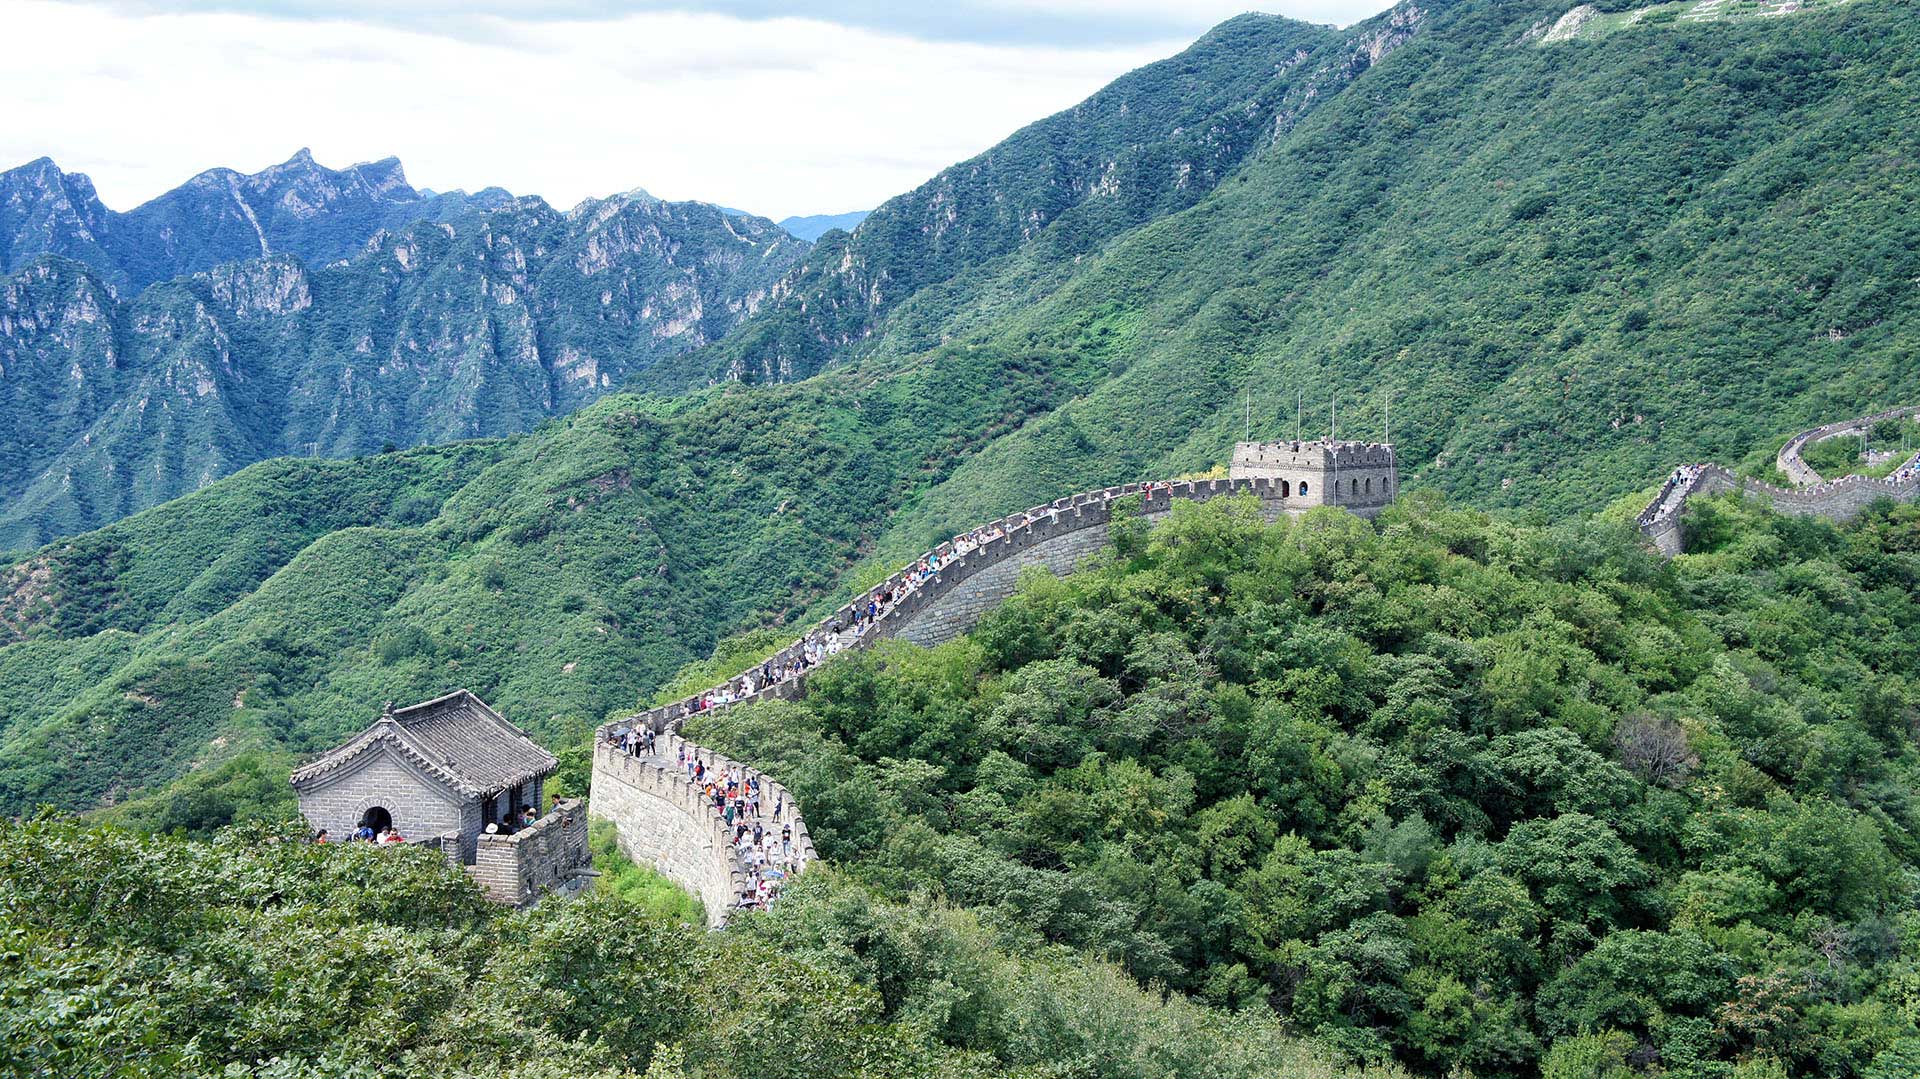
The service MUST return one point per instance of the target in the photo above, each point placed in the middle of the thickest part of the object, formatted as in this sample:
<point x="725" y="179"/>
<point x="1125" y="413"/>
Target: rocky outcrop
<point x="436" y="332"/>
<point x="298" y="207"/>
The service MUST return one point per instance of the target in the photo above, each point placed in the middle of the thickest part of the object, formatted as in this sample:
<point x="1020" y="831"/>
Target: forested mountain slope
<point x="1563" y="265"/>
<point x="1153" y="142"/>
<point x="298" y="207"/>
<point x="560" y="575"/>
<point x="435" y="332"/>
<point x="1498" y="293"/>
<point x="1480" y="798"/>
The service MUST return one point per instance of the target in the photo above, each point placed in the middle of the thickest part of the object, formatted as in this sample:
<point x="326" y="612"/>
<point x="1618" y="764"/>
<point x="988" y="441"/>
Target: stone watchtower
<point x="1361" y="477"/>
<point x="451" y="773"/>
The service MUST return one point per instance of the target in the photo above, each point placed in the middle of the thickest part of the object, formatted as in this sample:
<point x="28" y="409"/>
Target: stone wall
<point x="517" y="869"/>
<point x="662" y="821"/>
<point x="1802" y="474"/>
<point x="1837" y="500"/>
<point x="420" y="807"/>
<point x="657" y="813"/>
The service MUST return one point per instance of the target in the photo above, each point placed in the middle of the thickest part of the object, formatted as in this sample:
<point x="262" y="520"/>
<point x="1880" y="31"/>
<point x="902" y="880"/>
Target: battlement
<point x="1314" y="453"/>
<point x="1837" y="500"/>
<point x="1322" y="472"/>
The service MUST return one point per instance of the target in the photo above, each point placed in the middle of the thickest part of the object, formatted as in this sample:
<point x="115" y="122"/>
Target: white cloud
<point x="777" y="116"/>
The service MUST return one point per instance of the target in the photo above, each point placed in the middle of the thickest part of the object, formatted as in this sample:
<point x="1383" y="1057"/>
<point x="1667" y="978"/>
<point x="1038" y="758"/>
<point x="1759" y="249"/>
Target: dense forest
<point x="1482" y="788"/>
<point x="1453" y="793"/>
<point x="1446" y="794"/>
<point x="259" y="956"/>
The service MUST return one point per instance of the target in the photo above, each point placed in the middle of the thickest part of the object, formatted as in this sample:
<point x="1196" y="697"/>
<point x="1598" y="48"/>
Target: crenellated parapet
<point x="665" y="820"/>
<point x="1837" y="500"/>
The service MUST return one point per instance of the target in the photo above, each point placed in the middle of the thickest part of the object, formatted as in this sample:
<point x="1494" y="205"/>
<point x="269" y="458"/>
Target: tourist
<point x="320" y="836"/>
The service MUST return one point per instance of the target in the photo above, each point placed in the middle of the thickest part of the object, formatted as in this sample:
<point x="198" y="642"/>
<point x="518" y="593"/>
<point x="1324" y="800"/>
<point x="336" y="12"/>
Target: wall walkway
<point x="1838" y="500"/>
<point x="658" y="814"/>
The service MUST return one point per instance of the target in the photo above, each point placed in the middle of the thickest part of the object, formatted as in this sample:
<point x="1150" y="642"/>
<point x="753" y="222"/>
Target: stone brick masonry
<point x="657" y="813"/>
<point x="517" y="869"/>
<point x="1838" y="500"/>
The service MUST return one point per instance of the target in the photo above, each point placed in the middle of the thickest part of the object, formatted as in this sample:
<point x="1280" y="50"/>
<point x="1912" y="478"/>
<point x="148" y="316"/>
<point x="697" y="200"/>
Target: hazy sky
<point x="774" y="108"/>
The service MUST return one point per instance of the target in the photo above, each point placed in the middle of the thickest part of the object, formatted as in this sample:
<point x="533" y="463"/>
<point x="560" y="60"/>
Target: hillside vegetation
<point x="1474" y="797"/>
<point x="258" y="957"/>
<point x="433" y="331"/>
<point x="559" y="575"/>
<point x="1561" y="269"/>
<point x="1570" y="267"/>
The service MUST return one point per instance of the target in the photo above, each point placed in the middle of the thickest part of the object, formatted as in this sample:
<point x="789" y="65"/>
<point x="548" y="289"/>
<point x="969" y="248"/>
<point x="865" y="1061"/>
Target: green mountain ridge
<point x="1515" y="295"/>
<point x="1153" y="142"/>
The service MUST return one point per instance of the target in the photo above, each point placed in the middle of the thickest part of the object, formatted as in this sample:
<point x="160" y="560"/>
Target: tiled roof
<point x="456" y="738"/>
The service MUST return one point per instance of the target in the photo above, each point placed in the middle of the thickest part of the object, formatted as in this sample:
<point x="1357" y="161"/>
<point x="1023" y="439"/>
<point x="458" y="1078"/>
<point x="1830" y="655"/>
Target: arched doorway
<point x="1286" y="489"/>
<point x="376" y="818"/>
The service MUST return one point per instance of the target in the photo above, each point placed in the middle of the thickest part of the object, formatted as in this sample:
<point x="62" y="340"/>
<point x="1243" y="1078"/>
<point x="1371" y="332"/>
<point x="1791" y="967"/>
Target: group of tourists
<point x="637" y="741"/>
<point x="764" y="845"/>
<point x="365" y="833"/>
<point x="1674" y="495"/>
<point x="511" y="822"/>
<point x="764" y="848"/>
<point x="759" y="822"/>
<point x="843" y="631"/>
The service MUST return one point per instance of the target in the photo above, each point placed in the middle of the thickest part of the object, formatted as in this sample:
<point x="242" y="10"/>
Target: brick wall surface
<point x="657" y="813"/>
<point x="419" y="806"/>
<point x="518" y="868"/>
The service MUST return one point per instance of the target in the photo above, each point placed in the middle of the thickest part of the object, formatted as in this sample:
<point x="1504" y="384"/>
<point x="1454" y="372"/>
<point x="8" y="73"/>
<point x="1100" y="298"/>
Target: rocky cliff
<point x="298" y="207"/>
<point x="434" y="332"/>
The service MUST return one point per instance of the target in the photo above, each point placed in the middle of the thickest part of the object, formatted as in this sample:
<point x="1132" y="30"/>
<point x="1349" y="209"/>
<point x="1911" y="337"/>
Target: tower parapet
<point x="1361" y="476"/>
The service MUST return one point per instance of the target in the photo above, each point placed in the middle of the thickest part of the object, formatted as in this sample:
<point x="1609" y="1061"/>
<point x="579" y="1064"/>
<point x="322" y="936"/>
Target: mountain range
<point x="1552" y="265"/>
<point x="811" y="227"/>
<point x="326" y="313"/>
<point x="299" y="208"/>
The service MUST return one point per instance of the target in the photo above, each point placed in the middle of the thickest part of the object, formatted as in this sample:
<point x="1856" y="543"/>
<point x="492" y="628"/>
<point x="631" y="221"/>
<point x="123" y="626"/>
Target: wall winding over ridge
<point x="1838" y="500"/>
<point x="1802" y="474"/>
<point x="658" y="813"/>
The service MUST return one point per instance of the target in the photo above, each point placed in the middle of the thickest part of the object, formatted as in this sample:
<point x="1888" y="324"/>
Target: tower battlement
<point x="1363" y="476"/>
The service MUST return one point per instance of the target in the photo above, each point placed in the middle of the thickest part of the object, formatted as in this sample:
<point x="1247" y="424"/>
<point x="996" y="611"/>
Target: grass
<point x="636" y="884"/>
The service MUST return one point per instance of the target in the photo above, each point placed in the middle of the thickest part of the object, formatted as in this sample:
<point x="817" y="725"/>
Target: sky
<point x="777" y="109"/>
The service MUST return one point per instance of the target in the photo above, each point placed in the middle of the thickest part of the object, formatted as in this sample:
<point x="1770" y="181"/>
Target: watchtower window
<point x="1303" y="487"/>
<point x="1369" y="485"/>
<point x="1286" y="489"/>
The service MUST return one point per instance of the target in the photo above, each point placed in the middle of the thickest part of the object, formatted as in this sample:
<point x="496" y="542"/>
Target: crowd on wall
<point x="765" y="845"/>
<point x="850" y="626"/>
<point x="758" y="820"/>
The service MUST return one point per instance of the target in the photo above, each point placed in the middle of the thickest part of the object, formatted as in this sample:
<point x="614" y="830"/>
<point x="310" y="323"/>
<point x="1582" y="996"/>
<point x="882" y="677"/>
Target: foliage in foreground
<point x="1456" y="793"/>
<point x="260" y="956"/>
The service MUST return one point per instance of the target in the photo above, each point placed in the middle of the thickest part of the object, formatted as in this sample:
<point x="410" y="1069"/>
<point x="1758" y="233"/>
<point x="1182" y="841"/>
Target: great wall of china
<point x="663" y="820"/>
<point x="1812" y="496"/>
<point x="659" y="813"/>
